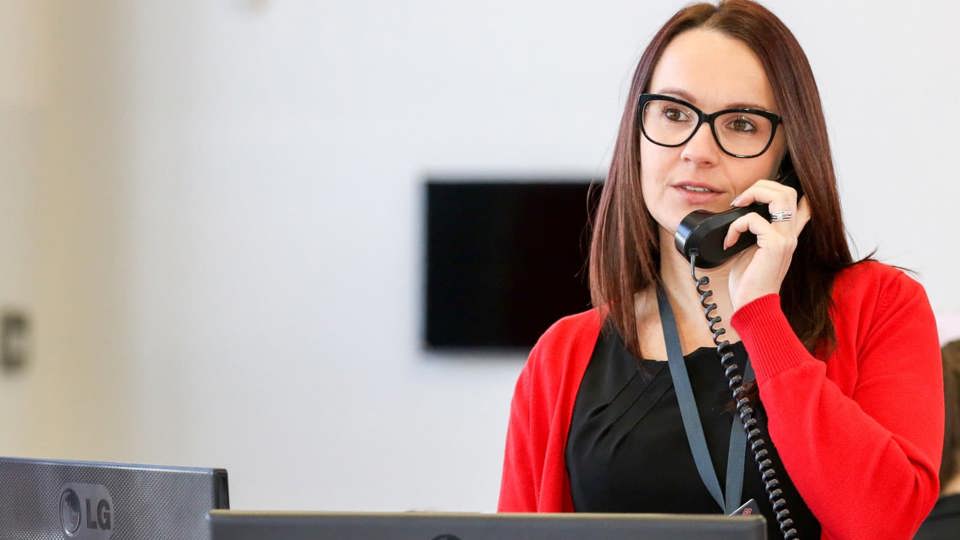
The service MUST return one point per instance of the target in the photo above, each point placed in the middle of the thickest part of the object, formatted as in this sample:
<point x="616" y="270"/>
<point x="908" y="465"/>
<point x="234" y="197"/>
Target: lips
<point x="697" y="193"/>
<point x="696" y="187"/>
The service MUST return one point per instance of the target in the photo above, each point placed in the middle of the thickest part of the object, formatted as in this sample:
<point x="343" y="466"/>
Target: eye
<point x="676" y="114"/>
<point x="742" y="124"/>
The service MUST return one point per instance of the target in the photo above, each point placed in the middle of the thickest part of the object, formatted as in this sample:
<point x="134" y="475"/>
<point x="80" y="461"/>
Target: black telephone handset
<point x="700" y="238"/>
<point x="704" y="231"/>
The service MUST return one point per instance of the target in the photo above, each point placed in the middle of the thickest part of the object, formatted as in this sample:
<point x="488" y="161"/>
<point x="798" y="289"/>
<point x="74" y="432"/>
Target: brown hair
<point x="625" y="250"/>
<point x="951" y="393"/>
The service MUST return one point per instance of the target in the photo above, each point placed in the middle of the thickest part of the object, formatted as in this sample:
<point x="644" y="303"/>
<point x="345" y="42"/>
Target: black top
<point x="627" y="450"/>
<point x="943" y="521"/>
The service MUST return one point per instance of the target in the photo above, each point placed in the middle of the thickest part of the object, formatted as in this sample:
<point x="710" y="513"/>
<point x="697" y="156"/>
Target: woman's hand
<point x="759" y="270"/>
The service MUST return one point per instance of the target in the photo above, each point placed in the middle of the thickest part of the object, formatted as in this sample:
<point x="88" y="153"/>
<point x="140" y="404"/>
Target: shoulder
<point x="871" y="272"/>
<point x="566" y="344"/>
<point x="871" y="296"/>
<point x="571" y="330"/>
<point x="876" y="283"/>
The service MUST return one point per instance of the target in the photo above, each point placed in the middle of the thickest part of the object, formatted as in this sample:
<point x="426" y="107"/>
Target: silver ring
<point x="783" y="215"/>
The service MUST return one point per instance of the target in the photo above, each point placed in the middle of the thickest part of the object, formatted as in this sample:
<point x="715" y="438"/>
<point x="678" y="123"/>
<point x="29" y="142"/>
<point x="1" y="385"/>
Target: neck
<point x="680" y="287"/>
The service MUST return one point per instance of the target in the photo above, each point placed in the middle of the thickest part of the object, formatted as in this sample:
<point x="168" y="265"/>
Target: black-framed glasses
<point x="739" y="132"/>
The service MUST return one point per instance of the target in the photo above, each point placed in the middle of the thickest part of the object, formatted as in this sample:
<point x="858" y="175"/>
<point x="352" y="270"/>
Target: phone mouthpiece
<point x="703" y="232"/>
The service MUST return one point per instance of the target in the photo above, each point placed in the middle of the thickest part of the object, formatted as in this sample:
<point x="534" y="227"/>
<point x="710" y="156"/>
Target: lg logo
<point x="86" y="511"/>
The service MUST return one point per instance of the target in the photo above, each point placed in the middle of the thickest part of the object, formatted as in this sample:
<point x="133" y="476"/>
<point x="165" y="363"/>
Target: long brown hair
<point x="625" y="250"/>
<point x="950" y="466"/>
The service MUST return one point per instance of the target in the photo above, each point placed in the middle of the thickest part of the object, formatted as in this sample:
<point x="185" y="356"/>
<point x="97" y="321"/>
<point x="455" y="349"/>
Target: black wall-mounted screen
<point x="504" y="260"/>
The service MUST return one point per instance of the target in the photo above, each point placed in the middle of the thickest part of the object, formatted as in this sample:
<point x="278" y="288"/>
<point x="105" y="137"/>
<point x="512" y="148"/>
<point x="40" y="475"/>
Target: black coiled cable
<point x="768" y="475"/>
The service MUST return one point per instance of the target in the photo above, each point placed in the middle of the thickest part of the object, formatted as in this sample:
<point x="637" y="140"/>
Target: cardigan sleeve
<point x="534" y="470"/>
<point x="522" y="462"/>
<point x="866" y="463"/>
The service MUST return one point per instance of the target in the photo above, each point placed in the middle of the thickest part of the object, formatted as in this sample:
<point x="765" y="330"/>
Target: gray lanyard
<point x="691" y="419"/>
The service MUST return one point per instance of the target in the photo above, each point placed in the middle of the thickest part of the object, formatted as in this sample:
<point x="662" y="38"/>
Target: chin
<point x="667" y="229"/>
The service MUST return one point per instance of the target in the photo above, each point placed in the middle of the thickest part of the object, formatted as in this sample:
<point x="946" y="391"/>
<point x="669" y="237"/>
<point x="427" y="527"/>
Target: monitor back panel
<point x="231" y="525"/>
<point x="47" y="500"/>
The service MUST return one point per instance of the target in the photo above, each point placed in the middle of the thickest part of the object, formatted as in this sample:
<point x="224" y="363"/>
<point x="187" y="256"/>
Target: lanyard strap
<point x="691" y="419"/>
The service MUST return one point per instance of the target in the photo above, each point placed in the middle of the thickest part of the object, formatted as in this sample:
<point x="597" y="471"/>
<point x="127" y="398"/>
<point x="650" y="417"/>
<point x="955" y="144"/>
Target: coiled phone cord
<point x="735" y="382"/>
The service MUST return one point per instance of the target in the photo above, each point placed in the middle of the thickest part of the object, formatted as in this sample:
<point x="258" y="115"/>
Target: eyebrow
<point x="687" y="96"/>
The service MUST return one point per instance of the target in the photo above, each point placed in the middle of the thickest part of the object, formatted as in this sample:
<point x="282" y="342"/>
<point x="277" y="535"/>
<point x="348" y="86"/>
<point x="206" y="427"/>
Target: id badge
<point x="749" y="508"/>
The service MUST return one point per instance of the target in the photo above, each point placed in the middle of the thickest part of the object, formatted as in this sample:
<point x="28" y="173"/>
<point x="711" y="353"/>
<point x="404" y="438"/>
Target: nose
<point x="702" y="149"/>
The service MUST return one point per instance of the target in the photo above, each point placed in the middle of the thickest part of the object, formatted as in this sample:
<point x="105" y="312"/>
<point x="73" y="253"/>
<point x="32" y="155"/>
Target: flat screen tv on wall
<point x="504" y="260"/>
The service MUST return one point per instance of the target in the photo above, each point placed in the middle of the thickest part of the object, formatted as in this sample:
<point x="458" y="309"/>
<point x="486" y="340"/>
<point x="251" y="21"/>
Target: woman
<point x="944" y="519"/>
<point x="848" y="384"/>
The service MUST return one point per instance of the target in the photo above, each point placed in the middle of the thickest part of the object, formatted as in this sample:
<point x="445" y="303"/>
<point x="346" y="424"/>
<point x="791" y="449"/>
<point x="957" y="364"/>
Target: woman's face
<point x="711" y="71"/>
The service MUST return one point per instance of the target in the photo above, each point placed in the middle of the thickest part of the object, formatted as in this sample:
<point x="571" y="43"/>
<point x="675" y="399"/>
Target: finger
<point x="797" y="221"/>
<point x="752" y="222"/>
<point x="804" y="212"/>
<point x="768" y="192"/>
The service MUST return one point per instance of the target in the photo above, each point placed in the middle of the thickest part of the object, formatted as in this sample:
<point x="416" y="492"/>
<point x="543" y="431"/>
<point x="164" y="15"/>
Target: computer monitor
<point x="82" y="500"/>
<point x="503" y="260"/>
<point x="233" y="525"/>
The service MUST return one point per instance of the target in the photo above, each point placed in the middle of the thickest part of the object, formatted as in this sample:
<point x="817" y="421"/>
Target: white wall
<point x="225" y="252"/>
<point x="21" y="89"/>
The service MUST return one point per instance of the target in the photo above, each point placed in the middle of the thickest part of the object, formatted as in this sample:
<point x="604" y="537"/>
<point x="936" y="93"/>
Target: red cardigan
<point x="860" y="432"/>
